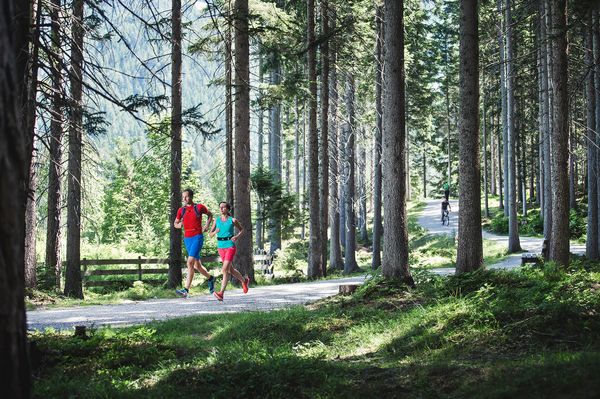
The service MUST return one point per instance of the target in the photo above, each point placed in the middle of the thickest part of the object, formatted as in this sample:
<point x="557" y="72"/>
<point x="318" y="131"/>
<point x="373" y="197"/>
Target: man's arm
<point x="209" y="219"/>
<point x="178" y="223"/>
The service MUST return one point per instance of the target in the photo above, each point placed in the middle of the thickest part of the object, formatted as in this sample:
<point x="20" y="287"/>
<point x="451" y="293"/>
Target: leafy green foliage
<point x="275" y="203"/>
<point x="136" y="200"/>
<point x="533" y="224"/>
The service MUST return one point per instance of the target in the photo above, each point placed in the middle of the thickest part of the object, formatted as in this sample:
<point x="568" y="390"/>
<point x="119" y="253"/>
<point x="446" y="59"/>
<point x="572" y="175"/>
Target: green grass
<point x="533" y="333"/>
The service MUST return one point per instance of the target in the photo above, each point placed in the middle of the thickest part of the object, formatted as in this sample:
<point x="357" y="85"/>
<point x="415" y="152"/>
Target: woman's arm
<point x="237" y="224"/>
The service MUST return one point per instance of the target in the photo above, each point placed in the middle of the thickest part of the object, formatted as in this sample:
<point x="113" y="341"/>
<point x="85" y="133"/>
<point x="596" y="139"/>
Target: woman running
<point x="223" y="228"/>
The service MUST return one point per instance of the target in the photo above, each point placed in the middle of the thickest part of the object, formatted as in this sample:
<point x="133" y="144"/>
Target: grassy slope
<point x="534" y="333"/>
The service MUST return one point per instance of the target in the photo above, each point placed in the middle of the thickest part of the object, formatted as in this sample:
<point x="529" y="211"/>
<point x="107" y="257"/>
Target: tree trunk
<point x="176" y="161"/>
<point x="596" y="45"/>
<point x="314" y="249"/>
<point x="546" y="65"/>
<point x="500" y="145"/>
<point x="572" y="168"/>
<point x="591" y="242"/>
<point x="514" y="244"/>
<point x="364" y="237"/>
<point x="324" y="144"/>
<point x="424" y="159"/>
<point x="469" y="252"/>
<point x="259" y="211"/>
<point x="493" y="161"/>
<point x="241" y="196"/>
<point x="335" y="254"/>
<point x="559" y="244"/>
<point x="485" y="162"/>
<point x="275" y="151"/>
<point x="350" y="264"/>
<point x="504" y="96"/>
<point x="395" y="235"/>
<point x="303" y="212"/>
<point x="15" y="152"/>
<point x="30" y="222"/>
<point x="30" y="115"/>
<point x="73" y="286"/>
<point x="343" y="171"/>
<point x="53" y="244"/>
<point x="229" y="111"/>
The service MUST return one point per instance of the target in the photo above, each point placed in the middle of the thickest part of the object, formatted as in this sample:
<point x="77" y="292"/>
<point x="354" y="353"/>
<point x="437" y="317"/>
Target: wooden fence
<point x="262" y="261"/>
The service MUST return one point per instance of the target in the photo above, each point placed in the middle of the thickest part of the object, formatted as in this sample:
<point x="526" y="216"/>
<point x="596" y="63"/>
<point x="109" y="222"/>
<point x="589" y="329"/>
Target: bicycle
<point x="445" y="218"/>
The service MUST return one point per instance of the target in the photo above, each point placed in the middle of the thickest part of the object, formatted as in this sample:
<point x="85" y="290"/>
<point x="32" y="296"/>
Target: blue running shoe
<point x="211" y="284"/>
<point x="182" y="292"/>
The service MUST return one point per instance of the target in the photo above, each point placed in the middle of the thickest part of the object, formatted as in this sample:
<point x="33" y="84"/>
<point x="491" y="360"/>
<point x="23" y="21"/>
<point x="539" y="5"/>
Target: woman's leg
<point x="225" y="269"/>
<point x="235" y="273"/>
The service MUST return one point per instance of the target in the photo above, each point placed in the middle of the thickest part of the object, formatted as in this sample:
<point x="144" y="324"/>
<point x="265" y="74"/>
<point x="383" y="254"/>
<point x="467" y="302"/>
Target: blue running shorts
<point x="194" y="245"/>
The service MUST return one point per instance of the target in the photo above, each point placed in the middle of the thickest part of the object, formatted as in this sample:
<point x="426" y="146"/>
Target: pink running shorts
<point x="227" y="254"/>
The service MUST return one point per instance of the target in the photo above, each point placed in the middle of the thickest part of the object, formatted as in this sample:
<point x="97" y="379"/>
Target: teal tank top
<point x="225" y="233"/>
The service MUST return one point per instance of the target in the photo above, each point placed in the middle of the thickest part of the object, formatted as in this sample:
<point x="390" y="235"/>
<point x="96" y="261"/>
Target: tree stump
<point x="348" y="289"/>
<point x="80" y="332"/>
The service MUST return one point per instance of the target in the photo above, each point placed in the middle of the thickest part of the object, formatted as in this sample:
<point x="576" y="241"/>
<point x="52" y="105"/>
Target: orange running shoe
<point x="218" y="295"/>
<point x="245" y="285"/>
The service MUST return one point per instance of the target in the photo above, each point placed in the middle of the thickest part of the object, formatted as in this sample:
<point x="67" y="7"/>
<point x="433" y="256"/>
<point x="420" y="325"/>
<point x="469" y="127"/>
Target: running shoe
<point x="245" y="285"/>
<point x="182" y="292"/>
<point x="218" y="295"/>
<point x="211" y="284"/>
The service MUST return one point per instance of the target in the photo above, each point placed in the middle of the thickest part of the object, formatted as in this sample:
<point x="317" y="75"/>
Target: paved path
<point x="260" y="298"/>
<point x="431" y="219"/>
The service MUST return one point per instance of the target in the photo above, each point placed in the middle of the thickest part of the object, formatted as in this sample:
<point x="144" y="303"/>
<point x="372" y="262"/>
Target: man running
<point x="190" y="218"/>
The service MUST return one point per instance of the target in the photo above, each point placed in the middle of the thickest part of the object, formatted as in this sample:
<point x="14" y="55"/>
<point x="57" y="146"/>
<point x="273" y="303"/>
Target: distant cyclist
<point x="446" y="188"/>
<point x="446" y="208"/>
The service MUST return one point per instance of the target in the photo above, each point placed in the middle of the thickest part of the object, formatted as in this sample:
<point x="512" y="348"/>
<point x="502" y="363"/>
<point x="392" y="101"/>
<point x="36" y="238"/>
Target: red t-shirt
<point x="192" y="224"/>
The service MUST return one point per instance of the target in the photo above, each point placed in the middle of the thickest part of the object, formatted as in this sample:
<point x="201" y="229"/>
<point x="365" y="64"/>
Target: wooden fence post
<point x="84" y="278"/>
<point x="140" y="268"/>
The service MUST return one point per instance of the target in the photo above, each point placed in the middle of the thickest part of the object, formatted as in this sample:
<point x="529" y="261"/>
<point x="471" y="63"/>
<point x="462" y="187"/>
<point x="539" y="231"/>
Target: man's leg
<point x="201" y="269"/>
<point x="190" y="273"/>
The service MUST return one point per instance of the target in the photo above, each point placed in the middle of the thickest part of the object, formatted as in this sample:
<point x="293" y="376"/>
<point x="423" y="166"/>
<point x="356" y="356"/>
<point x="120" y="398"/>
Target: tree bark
<point x="469" y="252"/>
<point x="546" y="65"/>
<point x="242" y="205"/>
<point x="395" y="234"/>
<point x="175" y="256"/>
<point x="596" y="48"/>
<point x="362" y="162"/>
<point x="53" y="245"/>
<point x="335" y="249"/>
<point x="324" y="144"/>
<point x="229" y="111"/>
<point x="275" y="151"/>
<point x="15" y="152"/>
<point x="591" y="242"/>
<point x="377" y="176"/>
<point x="30" y="119"/>
<point x="504" y="96"/>
<point x="514" y="244"/>
<point x="314" y="249"/>
<point x="259" y="217"/>
<point x="559" y="244"/>
<point x="73" y="286"/>
<point x="350" y="264"/>
<point x="485" y="162"/>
